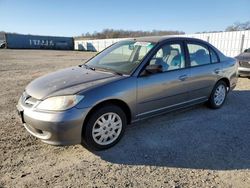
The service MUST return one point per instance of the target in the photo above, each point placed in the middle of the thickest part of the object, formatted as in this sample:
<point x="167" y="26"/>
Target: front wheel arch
<point x="87" y="131"/>
<point x="116" y="102"/>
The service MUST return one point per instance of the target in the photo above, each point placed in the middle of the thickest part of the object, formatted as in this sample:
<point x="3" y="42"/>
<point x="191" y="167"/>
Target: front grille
<point x="244" y="64"/>
<point x="28" y="100"/>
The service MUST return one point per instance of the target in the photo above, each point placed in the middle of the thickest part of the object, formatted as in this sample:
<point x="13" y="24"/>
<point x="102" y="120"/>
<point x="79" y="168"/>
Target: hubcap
<point x="219" y="95"/>
<point x="107" y="128"/>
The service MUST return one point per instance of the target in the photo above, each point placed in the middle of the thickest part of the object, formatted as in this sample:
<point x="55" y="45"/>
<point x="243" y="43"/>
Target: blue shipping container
<point x="18" y="41"/>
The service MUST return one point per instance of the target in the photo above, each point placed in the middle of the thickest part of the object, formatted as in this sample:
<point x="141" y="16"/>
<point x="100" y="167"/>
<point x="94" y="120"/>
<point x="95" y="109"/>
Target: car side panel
<point x="230" y="67"/>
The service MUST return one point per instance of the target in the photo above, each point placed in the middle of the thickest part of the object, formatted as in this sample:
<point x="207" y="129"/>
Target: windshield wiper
<point x="117" y="73"/>
<point x="87" y="67"/>
<point x="110" y="70"/>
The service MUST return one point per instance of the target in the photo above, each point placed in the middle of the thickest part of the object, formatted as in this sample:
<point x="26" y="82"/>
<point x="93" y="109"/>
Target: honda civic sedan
<point x="129" y="81"/>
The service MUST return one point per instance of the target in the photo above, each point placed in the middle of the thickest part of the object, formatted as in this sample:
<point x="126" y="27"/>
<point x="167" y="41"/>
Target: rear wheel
<point x="218" y="95"/>
<point x="105" y="127"/>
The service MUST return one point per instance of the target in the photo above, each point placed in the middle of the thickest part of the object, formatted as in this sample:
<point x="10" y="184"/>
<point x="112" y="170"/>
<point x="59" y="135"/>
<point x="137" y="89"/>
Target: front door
<point x="161" y="91"/>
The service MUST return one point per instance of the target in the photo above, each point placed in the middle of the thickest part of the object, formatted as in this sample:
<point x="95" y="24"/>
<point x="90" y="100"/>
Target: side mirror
<point x="152" y="69"/>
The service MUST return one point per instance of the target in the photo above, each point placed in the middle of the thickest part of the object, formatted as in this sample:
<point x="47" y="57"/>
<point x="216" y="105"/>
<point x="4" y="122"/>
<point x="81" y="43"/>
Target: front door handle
<point x="183" y="77"/>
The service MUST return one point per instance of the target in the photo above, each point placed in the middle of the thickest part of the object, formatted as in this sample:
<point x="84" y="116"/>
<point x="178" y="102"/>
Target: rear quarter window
<point x="214" y="56"/>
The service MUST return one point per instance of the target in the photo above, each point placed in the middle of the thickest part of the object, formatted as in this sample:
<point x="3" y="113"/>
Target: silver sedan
<point x="129" y="81"/>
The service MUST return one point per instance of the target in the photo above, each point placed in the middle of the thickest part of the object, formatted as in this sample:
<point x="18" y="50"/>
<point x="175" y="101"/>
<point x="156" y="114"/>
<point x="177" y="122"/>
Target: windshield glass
<point x="123" y="57"/>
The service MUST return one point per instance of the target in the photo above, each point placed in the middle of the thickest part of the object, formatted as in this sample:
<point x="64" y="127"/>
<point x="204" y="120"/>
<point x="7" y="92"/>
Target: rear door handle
<point x="183" y="77"/>
<point x="217" y="71"/>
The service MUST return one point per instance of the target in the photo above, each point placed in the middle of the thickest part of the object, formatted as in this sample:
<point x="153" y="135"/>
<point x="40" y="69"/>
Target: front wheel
<point x="105" y="127"/>
<point x="218" y="95"/>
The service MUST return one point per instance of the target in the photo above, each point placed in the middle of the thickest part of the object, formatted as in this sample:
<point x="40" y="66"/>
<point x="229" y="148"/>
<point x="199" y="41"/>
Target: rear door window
<point x="199" y="54"/>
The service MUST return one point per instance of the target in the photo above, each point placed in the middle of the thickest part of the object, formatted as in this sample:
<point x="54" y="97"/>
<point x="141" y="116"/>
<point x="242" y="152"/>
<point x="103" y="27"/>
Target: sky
<point x="74" y="17"/>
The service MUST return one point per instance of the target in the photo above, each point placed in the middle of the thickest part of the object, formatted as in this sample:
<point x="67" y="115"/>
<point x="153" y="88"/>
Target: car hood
<point x="243" y="57"/>
<point x="67" y="81"/>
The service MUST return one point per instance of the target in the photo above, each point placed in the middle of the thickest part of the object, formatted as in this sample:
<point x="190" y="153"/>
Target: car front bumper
<point x="243" y="71"/>
<point x="56" y="128"/>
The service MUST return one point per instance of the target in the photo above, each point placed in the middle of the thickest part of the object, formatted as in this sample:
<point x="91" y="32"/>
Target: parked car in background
<point x="2" y="44"/>
<point x="129" y="81"/>
<point x="244" y="63"/>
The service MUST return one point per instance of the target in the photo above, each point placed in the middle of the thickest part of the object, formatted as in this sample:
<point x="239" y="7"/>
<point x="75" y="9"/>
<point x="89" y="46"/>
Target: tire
<point x="218" y="95"/>
<point x="104" y="133"/>
<point x="2" y="46"/>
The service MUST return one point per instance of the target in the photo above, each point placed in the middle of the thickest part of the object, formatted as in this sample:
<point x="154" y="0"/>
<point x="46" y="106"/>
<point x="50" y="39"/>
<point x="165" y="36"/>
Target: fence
<point x="230" y="43"/>
<point x="95" y="45"/>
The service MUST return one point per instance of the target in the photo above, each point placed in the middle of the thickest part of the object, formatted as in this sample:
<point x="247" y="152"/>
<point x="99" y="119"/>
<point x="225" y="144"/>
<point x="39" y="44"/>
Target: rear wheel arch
<point x="226" y="81"/>
<point x="218" y="94"/>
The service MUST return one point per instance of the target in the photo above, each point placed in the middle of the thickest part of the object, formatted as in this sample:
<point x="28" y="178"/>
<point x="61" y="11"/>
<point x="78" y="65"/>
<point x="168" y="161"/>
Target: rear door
<point x="205" y="68"/>
<point x="160" y="91"/>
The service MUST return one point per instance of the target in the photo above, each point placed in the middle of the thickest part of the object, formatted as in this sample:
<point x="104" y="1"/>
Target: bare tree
<point x="239" y="26"/>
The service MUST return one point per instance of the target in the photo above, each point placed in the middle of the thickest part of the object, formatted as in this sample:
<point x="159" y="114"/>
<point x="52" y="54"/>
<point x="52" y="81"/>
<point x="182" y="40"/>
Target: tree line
<point x="237" y="26"/>
<point x="120" y="33"/>
<point x="113" y="33"/>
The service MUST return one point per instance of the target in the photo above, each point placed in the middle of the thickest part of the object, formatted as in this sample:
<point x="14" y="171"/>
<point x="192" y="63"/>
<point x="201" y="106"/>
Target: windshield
<point x="122" y="58"/>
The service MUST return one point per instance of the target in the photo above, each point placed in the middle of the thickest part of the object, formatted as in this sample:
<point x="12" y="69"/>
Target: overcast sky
<point x="74" y="17"/>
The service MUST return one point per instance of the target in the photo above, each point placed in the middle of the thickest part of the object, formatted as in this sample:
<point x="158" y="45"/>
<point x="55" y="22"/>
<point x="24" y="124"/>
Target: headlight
<point x="60" y="102"/>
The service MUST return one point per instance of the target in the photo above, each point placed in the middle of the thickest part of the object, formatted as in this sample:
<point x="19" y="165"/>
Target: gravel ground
<point x="195" y="147"/>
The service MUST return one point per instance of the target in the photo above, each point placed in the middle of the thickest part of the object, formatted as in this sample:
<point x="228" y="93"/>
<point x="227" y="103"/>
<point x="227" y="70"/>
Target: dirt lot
<point x="195" y="147"/>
